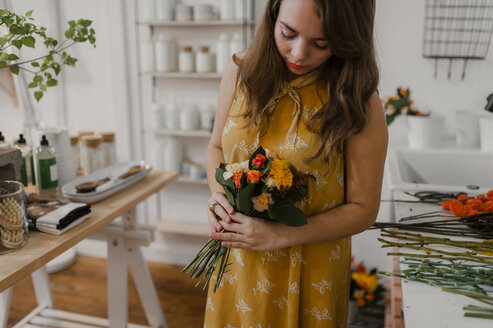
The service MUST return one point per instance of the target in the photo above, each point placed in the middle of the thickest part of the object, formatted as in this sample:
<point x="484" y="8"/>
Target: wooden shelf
<point x="184" y="228"/>
<point x="198" y="23"/>
<point x="183" y="133"/>
<point x="188" y="180"/>
<point x="179" y="75"/>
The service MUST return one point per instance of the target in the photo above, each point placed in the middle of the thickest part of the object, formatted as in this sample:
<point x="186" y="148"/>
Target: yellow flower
<point x="262" y="202"/>
<point x="367" y="282"/>
<point x="394" y="97"/>
<point x="280" y="171"/>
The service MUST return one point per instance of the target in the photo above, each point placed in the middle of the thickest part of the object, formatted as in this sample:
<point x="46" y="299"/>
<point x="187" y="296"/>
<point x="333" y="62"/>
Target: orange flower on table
<point x="394" y="97"/>
<point x="370" y="297"/>
<point x="446" y="204"/>
<point x="475" y="203"/>
<point x="360" y="302"/>
<point x="418" y="113"/>
<point x="402" y="91"/>
<point x="259" y="161"/>
<point x="360" y="267"/>
<point x="237" y="178"/>
<point x="280" y="171"/>
<point x="489" y="195"/>
<point x="253" y="176"/>
<point x="462" y="197"/>
<point x="358" y="294"/>
<point x="482" y="198"/>
<point x="457" y="208"/>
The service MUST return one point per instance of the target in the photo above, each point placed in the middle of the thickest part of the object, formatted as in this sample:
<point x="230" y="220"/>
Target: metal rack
<point x="457" y="30"/>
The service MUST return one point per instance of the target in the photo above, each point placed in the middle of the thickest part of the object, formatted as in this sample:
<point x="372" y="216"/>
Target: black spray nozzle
<point x="2" y="138"/>
<point x="489" y="104"/>
<point x="44" y="141"/>
<point x="21" y="140"/>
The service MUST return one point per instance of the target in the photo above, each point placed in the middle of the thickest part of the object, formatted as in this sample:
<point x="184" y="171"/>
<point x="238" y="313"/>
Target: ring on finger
<point x="212" y="207"/>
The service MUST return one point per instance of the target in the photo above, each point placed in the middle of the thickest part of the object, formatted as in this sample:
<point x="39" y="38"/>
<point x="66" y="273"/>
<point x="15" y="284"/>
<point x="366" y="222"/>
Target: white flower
<point x="227" y="175"/>
<point x="271" y="182"/>
<point x="235" y="167"/>
<point x="270" y="154"/>
<point x="244" y="165"/>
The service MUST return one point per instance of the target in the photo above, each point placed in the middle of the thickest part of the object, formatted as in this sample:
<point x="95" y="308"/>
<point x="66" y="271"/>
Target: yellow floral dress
<point x="298" y="286"/>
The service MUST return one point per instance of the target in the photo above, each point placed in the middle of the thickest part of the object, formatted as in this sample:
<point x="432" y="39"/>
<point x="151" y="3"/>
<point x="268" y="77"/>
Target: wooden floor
<point x="82" y="289"/>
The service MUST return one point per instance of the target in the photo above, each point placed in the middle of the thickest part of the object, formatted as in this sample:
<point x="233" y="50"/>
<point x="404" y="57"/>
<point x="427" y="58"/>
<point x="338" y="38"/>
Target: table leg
<point x="41" y="282"/>
<point x="5" y="298"/>
<point x="117" y="283"/>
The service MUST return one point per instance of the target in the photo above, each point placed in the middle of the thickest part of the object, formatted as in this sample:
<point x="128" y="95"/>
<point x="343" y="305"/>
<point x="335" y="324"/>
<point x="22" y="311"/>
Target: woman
<point x="306" y="90"/>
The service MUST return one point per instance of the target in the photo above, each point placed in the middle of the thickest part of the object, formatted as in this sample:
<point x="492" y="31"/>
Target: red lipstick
<point x="296" y="66"/>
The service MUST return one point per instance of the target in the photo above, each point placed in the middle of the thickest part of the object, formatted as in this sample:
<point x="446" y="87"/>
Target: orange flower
<point x="462" y="197"/>
<point x="446" y="204"/>
<point x="475" y="203"/>
<point x="360" y="302"/>
<point x="402" y="91"/>
<point x="258" y="161"/>
<point x="281" y="173"/>
<point x="370" y="297"/>
<point x="489" y="208"/>
<point x="261" y="202"/>
<point x="253" y="176"/>
<point x="360" y="267"/>
<point x="489" y="195"/>
<point x="418" y="113"/>
<point x="457" y="208"/>
<point x="482" y="198"/>
<point x="237" y="178"/>
<point x="394" y="97"/>
<point x="358" y="294"/>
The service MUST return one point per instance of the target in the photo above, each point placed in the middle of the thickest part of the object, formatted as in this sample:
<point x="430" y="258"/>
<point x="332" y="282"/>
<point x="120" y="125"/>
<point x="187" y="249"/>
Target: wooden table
<point x="123" y="249"/>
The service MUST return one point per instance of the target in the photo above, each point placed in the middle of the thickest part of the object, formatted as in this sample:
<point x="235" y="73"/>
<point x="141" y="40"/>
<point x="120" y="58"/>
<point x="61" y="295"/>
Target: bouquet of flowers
<point x="264" y="186"/>
<point x="365" y="289"/>
<point x="400" y="104"/>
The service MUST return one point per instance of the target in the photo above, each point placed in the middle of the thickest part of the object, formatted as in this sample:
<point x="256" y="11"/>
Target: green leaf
<point x="17" y="43"/>
<point x="9" y="21"/>
<point x="38" y="95"/>
<point x="29" y="13"/>
<point x="16" y="29"/>
<point x="51" y="82"/>
<point x="38" y="79"/>
<point x="2" y="41"/>
<point x="85" y="22"/>
<point x="32" y="85"/>
<point x="3" y="63"/>
<point x="220" y="178"/>
<point x="35" y="64"/>
<point x="286" y="212"/>
<point x="14" y="69"/>
<point x="42" y="87"/>
<point x="69" y="33"/>
<point x="12" y="57"/>
<point x="72" y="23"/>
<point x="28" y="41"/>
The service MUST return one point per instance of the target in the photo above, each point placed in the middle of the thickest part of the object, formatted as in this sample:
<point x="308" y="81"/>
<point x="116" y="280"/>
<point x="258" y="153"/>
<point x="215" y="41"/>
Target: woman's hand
<point x="252" y="234"/>
<point x="222" y="210"/>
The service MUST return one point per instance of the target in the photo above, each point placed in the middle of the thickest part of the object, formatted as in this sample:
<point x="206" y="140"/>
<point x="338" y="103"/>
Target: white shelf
<point x="188" y="180"/>
<point x="179" y="75"/>
<point x="198" y="23"/>
<point x="185" y="228"/>
<point x="183" y="133"/>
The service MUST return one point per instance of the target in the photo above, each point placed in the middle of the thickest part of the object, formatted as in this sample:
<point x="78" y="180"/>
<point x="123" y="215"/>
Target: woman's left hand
<point x="252" y="234"/>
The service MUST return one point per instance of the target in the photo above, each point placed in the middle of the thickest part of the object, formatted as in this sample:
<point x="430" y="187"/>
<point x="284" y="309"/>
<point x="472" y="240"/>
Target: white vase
<point x="352" y="311"/>
<point x="425" y="131"/>
<point x="486" y="132"/>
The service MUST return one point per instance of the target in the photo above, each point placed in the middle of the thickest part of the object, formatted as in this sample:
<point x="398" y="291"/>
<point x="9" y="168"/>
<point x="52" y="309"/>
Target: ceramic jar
<point x="183" y="12"/>
<point x="186" y="60"/>
<point x="204" y="60"/>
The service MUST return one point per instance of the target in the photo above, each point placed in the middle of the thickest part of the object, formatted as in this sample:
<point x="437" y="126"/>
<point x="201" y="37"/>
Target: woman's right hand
<point x="222" y="211"/>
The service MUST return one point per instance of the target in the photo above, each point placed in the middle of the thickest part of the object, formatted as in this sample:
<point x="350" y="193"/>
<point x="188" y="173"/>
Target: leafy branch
<point x="23" y="33"/>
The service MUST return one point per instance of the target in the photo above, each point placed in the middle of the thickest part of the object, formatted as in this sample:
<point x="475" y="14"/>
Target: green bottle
<point x="46" y="169"/>
<point x="27" y="168"/>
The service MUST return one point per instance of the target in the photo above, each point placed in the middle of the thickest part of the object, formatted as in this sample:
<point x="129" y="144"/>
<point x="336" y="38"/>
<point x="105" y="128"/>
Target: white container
<point x="173" y="154"/>
<point x="227" y="10"/>
<point x="183" y="12"/>
<point x="207" y="113"/>
<point x="186" y="60"/>
<point x="222" y="53"/>
<point x="166" y="53"/>
<point x="197" y="171"/>
<point x="236" y="44"/>
<point x="425" y="131"/>
<point x="243" y="9"/>
<point x="486" y="132"/>
<point x="158" y="116"/>
<point x="204" y="60"/>
<point x="108" y="148"/>
<point x="203" y="12"/>
<point x="147" y="63"/>
<point x="147" y="10"/>
<point x="467" y="128"/>
<point x="74" y="142"/>
<point x="189" y="118"/>
<point x="165" y="10"/>
<point x="172" y="117"/>
<point x="92" y="157"/>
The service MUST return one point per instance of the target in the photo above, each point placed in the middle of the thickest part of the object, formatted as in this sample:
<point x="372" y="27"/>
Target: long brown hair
<point x="351" y="72"/>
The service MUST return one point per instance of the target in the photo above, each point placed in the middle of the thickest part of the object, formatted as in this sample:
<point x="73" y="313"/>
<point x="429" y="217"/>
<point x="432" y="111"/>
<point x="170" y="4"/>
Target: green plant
<point x="399" y="104"/>
<point x="20" y="31"/>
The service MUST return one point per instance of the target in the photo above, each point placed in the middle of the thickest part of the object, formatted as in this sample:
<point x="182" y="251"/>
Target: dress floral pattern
<point x="299" y="286"/>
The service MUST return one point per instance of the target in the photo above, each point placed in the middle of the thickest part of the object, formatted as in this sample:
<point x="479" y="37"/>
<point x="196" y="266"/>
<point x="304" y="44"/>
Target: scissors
<point x="434" y="196"/>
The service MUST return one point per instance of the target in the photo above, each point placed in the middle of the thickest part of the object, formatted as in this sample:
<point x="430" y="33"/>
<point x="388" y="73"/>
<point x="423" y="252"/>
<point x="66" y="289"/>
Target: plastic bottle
<point x="222" y="52"/>
<point x="27" y="168"/>
<point x="166" y="53"/>
<point x="172" y="120"/>
<point x="46" y="170"/>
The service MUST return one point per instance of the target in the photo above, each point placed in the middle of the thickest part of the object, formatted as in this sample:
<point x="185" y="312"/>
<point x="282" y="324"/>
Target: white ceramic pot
<point x="398" y="131"/>
<point x="467" y="128"/>
<point x="425" y="131"/>
<point x="486" y="132"/>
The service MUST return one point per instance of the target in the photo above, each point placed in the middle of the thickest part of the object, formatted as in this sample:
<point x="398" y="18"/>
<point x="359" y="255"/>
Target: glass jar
<point x="202" y="12"/>
<point x="13" y="223"/>
<point x="165" y="10"/>
<point x="166" y="53"/>
<point x="92" y="157"/>
<point x="183" y="12"/>
<point x="186" y="60"/>
<point x="75" y="146"/>
<point x="207" y="113"/>
<point x="108" y="147"/>
<point x="189" y="118"/>
<point x="204" y="60"/>
<point x="82" y="147"/>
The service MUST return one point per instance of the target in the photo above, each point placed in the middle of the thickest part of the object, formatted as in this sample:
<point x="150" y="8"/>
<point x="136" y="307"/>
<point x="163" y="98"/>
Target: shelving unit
<point x="189" y="196"/>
